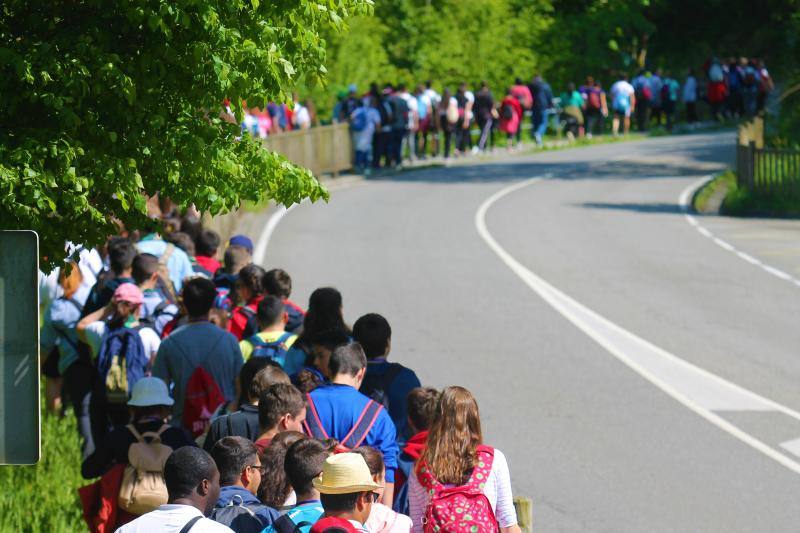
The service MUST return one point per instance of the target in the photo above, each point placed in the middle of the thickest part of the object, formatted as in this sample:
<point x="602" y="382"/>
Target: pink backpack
<point x="462" y="509"/>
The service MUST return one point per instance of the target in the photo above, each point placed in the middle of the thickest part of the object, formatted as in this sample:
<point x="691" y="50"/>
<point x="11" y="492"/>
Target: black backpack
<point x="507" y="112"/>
<point x="239" y="516"/>
<point x="252" y="323"/>
<point x="377" y="386"/>
<point x="285" y="524"/>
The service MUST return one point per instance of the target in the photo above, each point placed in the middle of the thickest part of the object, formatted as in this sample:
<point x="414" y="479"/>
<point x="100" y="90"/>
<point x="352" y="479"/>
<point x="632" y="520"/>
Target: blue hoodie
<point x="267" y="515"/>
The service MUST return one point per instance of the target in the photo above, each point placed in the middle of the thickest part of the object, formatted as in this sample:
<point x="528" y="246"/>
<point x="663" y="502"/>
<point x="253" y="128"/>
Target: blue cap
<point x="352" y="88"/>
<point x="243" y="241"/>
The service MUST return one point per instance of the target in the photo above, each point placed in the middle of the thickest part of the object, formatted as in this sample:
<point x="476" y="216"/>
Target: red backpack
<point x="202" y="398"/>
<point x="462" y="509"/>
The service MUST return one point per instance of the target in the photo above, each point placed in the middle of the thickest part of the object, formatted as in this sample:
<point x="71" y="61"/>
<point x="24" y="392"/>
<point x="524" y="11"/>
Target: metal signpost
<point x="19" y="348"/>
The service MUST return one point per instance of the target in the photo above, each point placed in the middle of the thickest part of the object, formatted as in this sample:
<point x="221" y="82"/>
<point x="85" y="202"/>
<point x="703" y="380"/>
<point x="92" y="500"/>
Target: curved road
<point x="648" y="382"/>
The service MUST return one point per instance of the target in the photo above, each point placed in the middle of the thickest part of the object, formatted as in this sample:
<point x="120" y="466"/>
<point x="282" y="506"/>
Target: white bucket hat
<point x="345" y="473"/>
<point x="148" y="392"/>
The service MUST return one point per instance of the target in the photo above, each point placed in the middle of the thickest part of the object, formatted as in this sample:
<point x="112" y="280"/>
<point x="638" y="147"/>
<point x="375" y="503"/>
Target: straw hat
<point x="345" y="473"/>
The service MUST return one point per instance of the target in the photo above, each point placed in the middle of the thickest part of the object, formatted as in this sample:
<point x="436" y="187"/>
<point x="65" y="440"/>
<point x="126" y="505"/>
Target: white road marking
<point x="260" y="251"/>
<point x="685" y="199"/>
<point x="792" y="446"/>
<point x="697" y="389"/>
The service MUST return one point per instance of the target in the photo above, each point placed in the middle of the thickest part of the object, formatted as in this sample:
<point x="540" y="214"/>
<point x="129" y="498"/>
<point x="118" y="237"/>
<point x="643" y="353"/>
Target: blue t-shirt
<point x="198" y="344"/>
<point x="340" y="406"/>
<point x="178" y="264"/>
<point x="58" y="328"/>
<point x="309" y="511"/>
<point x="401" y="385"/>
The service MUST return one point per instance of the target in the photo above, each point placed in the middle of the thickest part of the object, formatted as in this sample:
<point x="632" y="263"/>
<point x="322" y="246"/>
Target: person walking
<point x="455" y="457"/>
<point x="690" y="96"/>
<point x="484" y="116"/>
<point x="542" y="103"/>
<point x="510" y="118"/>
<point x="623" y="102"/>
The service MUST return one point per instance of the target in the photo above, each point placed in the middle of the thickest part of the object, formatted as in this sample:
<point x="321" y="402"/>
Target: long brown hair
<point x="71" y="281"/>
<point x="454" y="436"/>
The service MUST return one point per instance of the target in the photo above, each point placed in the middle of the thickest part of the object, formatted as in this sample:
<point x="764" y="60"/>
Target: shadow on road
<point x="588" y="164"/>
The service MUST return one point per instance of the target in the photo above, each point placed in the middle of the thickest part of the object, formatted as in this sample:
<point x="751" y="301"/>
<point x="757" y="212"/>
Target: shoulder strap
<point x="75" y="303"/>
<point x="362" y="427"/>
<point x="285" y="337"/>
<point x="313" y="425"/>
<point x="167" y="254"/>
<point x="483" y="467"/>
<point x="190" y="524"/>
<point x="135" y="433"/>
<point x="255" y="340"/>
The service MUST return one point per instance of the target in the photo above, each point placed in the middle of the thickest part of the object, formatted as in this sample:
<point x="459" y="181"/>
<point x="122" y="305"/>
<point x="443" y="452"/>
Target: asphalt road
<point x="596" y="445"/>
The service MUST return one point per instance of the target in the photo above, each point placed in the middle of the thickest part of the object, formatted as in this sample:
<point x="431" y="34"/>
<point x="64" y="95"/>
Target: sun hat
<point x="243" y="241"/>
<point x="128" y="292"/>
<point x="150" y="391"/>
<point x="345" y="473"/>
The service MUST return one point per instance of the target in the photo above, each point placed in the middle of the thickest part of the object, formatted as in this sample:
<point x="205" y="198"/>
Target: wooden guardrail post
<point x="524" y="508"/>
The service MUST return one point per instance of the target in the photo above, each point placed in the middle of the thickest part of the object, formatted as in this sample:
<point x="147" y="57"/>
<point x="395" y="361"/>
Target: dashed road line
<point x="683" y="201"/>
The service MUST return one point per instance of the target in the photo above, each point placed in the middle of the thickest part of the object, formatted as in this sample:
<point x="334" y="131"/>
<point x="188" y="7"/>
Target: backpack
<point x="400" y="111"/>
<point x="593" y="101"/>
<point x="202" y="398"/>
<point x="460" y="509"/>
<point x="285" y="524"/>
<point x="385" y="110"/>
<point x="750" y="76"/>
<point x="358" y="434"/>
<point x="121" y="362"/>
<point x="276" y="350"/>
<point x="164" y="281"/>
<point x="452" y="112"/>
<point x="160" y="309"/>
<point x="376" y="386"/>
<point x="251" y="327"/>
<point x="239" y="516"/>
<point x="715" y="73"/>
<point x="507" y="112"/>
<point x="643" y="92"/>
<point x="358" y="120"/>
<point x="143" y="488"/>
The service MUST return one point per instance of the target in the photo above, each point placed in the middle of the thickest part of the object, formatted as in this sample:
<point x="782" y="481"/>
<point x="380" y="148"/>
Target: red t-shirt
<point x="209" y="263"/>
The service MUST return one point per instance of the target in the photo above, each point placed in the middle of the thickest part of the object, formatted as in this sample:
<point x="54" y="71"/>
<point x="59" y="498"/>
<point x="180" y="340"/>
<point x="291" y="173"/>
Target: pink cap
<point x="128" y="292"/>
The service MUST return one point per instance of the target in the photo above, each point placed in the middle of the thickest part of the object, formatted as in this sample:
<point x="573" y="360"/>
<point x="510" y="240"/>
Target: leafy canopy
<point x="106" y="102"/>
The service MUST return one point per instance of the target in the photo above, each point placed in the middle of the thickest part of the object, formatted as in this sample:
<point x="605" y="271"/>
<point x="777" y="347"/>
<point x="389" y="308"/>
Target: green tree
<point x="106" y="102"/>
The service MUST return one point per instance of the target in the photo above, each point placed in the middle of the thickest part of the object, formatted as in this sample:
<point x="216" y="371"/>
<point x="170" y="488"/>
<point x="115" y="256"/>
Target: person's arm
<point x="505" y="512"/>
<point x="383" y="436"/>
<point x="96" y="316"/>
<point x="101" y="459"/>
<point x="603" y="104"/>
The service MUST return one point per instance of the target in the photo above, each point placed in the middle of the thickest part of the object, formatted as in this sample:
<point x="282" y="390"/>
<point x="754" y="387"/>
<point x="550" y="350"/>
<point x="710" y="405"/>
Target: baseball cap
<point x="128" y="292"/>
<point x="243" y="241"/>
<point x="333" y="524"/>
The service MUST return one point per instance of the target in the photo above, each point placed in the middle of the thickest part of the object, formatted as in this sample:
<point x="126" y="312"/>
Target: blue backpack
<point x="276" y="350"/>
<point x="358" y="120"/>
<point x="121" y="362"/>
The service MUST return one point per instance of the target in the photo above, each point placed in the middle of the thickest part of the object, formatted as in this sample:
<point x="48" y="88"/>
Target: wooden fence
<point x="322" y="150"/>
<point x="768" y="171"/>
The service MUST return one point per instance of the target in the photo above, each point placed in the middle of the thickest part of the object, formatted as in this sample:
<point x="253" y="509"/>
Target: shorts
<point x="425" y="125"/>
<point x="50" y="366"/>
<point x="623" y="112"/>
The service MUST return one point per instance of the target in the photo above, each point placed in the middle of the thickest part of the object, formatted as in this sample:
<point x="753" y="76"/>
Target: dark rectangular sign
<point x="19" y="348"/>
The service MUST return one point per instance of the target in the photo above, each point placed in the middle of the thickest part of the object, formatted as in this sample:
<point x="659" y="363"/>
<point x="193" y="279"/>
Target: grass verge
<point x="44" y="497"/>
<point x="743" y="203"/>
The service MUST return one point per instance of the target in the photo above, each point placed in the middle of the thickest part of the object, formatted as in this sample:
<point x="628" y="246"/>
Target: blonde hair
<point x="453" y="437"/>
<point x="70" y="278"/>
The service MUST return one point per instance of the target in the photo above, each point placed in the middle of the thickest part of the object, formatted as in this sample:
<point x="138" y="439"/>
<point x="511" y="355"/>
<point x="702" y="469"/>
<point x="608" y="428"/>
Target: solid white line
<point x="695" y="388"/>
<point x="260" y="252"/>
<point x="684" y="201"/>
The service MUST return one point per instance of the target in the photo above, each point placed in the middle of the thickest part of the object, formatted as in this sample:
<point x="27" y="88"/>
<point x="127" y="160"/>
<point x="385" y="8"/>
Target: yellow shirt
<point x="269" y="336"/>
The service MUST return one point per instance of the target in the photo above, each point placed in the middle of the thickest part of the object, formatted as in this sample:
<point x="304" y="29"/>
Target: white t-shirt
<point x="621" y="93"/>
<point x="412" y="109"/>
<point x="302" y="118"/>
<point x="96" y="331"/>
<point x="171" y="518"/>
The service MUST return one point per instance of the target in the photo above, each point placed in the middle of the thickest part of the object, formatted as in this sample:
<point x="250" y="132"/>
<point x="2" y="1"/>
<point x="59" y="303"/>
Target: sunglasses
<point x="262" y="469"/>
<point x="375" y="497"/>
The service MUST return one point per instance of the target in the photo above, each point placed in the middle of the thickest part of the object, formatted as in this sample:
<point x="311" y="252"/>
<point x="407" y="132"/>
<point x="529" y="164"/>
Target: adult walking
<point x="542" y="103"/>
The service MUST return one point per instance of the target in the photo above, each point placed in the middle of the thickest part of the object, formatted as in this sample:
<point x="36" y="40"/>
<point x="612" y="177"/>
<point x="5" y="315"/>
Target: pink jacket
<point x="383" y="520"/>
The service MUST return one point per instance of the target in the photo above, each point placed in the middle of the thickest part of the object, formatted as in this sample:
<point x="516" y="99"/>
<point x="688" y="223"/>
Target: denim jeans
<point x="540" y="117"/>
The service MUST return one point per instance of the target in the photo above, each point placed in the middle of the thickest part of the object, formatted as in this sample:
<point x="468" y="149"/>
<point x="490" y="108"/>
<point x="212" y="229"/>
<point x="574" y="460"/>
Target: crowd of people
<point x="207" y="400"/>
<point x="396" y="123"/>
